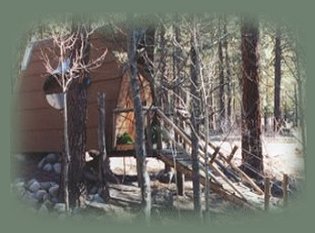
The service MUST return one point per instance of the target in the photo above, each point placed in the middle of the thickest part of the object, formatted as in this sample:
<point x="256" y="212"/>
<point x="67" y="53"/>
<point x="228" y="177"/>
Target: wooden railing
<point x="213" y="160"/>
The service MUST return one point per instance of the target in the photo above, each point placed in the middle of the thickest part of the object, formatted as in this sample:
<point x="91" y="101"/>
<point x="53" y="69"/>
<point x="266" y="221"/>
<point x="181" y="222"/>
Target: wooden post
<point x="149" y="134"/>
<point x="285" y="189"/>
<point x="180" y="183"/>
<point x="114" y="131"/>
<point x="102" y="147"/>
<point x="230" y="157"/>
<point x="214" y="155"/>
<point x="267" y="193"/>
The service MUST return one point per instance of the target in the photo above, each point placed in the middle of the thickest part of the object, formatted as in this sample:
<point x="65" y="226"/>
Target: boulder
<point x="48" y="167"/>
<point x="41" y="195"/>
<point x="54" y="200"/>
<point x="34" y="187"/>
<point x="53" y="191"/>
<point x="48" y="204"/>
<point x="60" y="207"/>
<point x="41" y="163"/>
<point x="51" y="158"/>
<point x="57" y="168"/>
<point x="53" y="183"/>
<point x="46" y="185"/>
<point x="30" y="182"/>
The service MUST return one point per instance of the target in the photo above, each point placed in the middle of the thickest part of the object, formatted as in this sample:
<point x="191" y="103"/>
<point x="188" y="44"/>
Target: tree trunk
<point x="296" y="107"/>
<point x="221" y="88"/>
<point x="77" y="104"/>
<point x="177" y="77"/>
<point x="66" y="156"/>
<point x="163" y="80"/>
<point x="133" y="38"/>
<point x="195" y="118"/>
<point x="277" y="65"/>
<point x="165" y="100"/>
<point x="252" y="160"/>
<point x="228" y="79"/>
<point x="212" y="117"/>
<point x="206" y="126"/>
<point x="104" y="168"/>
<point x="301" y="108"/>
<point x="77" y="115"/>
<point x="301" y="114"/>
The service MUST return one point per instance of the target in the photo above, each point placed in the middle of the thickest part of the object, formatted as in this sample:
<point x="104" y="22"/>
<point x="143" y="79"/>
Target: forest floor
<point x="281" y="155"/>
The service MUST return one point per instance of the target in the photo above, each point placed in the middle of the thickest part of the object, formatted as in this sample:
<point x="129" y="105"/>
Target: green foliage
<point x="125" y="138"/>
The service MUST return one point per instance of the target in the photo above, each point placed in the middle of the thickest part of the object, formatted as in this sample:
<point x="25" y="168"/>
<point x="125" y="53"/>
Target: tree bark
<point x="77" y="115"/>
<point x="252" y="159"/>
<point x="104" y="167"/>
<point x="177" y="77"/>
<point x="66" y="157"/>
<point x="221" y="87"/>
<point x="165" y="100"/>
<point x="296" y="107"/>
<point x="133" y="38"/>
<point x="301" y="108"/>
<point x="228" y="78"/>
<point x="77" y="104"/>
<point x="277" y="92"/>
<point x="195" y="117"/>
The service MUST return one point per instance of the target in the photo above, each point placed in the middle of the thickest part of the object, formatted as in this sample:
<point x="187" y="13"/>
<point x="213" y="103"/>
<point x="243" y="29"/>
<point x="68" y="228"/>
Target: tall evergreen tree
<point x="252" y="158"/>
<point x="277" y="70"/>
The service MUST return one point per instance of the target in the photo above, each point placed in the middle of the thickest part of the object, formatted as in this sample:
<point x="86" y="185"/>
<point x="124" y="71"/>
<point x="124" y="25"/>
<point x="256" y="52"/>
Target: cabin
<point x="40" y="126"/>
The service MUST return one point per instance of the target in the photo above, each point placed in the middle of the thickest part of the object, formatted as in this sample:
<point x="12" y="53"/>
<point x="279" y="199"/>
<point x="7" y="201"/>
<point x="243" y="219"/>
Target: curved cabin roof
<point x="40" y="127"/>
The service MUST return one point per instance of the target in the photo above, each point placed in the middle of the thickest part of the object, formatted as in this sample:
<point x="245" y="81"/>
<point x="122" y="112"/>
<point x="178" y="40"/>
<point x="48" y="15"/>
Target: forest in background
<point x="281" y="58"/>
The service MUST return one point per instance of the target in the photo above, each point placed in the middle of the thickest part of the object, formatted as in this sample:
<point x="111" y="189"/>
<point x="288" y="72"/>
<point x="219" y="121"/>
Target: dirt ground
<point x="281" y="155"/>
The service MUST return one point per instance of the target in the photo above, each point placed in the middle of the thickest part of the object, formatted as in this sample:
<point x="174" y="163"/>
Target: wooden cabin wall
<point x="125" y="122"/>
<point x="40" y="126"/>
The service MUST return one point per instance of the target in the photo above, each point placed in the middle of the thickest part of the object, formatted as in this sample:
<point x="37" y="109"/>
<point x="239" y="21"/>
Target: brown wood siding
<point x="40" y="141"/>
<point x="33" y="100"/>
<point x="40" y="119"/>
<point x="41" y="126"/>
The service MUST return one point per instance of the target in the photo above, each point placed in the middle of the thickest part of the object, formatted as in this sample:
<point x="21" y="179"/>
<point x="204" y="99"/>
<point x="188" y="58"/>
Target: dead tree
<point x="134" y="37"/>
<point x="71" y="53"/>
<point x="177" y="79"/>
<point x="103" y="164"/>
<point x="252" y="159"/>
<point x="195" y="116"/>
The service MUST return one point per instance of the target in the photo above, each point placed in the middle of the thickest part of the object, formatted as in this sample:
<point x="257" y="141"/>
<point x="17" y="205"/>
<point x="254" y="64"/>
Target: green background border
<point x="17" y="16"/>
